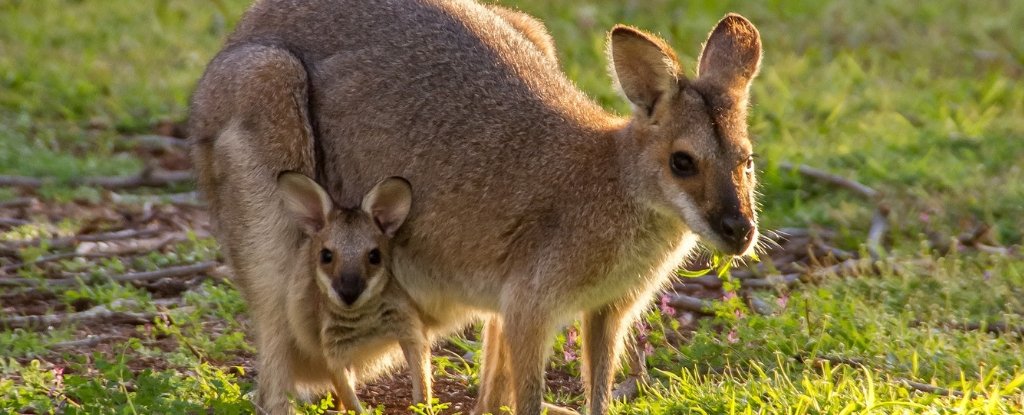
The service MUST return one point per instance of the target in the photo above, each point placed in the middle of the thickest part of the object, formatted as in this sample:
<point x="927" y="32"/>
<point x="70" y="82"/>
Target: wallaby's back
<point x="451" y="96"/>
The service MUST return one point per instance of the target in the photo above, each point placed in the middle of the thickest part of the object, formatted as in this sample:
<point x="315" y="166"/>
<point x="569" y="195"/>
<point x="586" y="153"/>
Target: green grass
<point x="924" y="102"/>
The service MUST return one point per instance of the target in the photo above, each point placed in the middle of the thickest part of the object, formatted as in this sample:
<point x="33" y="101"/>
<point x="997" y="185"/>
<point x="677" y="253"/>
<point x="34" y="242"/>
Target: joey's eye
<point x="750" y="164"/>
<point x="682" y="164"/>
<point x="326" y="256"/>
<point x="373" y="256"/>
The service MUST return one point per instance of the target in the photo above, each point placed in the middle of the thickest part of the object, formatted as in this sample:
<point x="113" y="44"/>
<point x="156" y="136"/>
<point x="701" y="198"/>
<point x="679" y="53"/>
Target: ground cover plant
<point x="890" y="138"/>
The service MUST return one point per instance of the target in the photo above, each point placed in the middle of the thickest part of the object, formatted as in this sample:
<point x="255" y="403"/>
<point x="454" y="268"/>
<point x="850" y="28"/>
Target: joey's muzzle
<point x="349" y="287"/>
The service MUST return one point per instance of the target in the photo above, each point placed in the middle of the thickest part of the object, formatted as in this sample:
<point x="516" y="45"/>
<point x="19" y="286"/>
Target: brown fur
<point x="533" y="204"/>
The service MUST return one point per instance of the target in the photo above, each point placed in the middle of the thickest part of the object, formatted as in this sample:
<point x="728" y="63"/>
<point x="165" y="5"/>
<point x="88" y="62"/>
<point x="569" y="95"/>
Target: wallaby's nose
<point x="737" y="232"/>
<point x="349" y="287"/>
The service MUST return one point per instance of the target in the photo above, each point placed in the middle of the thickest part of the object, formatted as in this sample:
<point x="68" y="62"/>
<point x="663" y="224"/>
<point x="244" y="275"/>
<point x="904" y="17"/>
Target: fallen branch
<point x="66" y="242"/>
<point x="96" y="314"/>
<point x="996" y="327"/>
<point x="13" y="222"/>
<point x="770" y="281"/>
<point x="56" y="257"/>
<point x="16" y="203"/>
<point x="691" y="304"/>
<point x="832" y="179"/>
<point x="179" y="271"/>
<point x="757" y="305"/>
<point x="186" y="198"/>
<point x="84" y="343"/>
<point x="879" y="222"/>
<point x="915" y="385"/>
<point x="879" y="225"/>
<point x="146" y="178"/>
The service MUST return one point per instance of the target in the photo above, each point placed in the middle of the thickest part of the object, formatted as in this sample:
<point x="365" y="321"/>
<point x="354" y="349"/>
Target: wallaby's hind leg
<point x="603" y="334"/>
<point x="275" y="382"/>
<point x="249" y="121"/>
<point x="495" y="388"/>
<point x="264" y="89"/>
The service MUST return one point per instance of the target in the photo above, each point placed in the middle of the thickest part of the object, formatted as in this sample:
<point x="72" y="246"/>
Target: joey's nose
<point x="737" y="232"/>
<point x="349" y="288"/>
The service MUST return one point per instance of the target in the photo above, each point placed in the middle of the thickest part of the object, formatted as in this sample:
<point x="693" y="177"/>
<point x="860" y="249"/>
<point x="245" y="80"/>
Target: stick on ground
<point x="146" y="178"/>
<point x="93" y="315"/>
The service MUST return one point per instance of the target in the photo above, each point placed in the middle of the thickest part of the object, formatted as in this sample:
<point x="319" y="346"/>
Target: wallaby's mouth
<point x="737" y="234"/>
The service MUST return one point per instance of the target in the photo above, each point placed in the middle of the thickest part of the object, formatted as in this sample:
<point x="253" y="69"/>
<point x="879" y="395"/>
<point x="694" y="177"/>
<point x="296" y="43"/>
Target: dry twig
<point x="691" y="304"/>
<point x="146" y="178"/>
<point x="836" y="180"/>
<point x="96" y="314"/>
<point x="996" y="327"/>
<point x="179" y="271"/>
<point x="918" y="386"/>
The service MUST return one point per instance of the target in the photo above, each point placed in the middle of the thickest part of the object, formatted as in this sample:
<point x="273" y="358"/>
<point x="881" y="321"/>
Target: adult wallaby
<point x="532" y="203"/>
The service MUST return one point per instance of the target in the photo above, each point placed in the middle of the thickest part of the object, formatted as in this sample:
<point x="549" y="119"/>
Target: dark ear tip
<point x="737" y="24"/>
<point x="621" y="30"/>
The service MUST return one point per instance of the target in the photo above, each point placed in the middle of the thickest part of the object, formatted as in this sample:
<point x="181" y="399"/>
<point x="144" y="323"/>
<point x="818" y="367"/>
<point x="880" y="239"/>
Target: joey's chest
<point x="374" y="323"/>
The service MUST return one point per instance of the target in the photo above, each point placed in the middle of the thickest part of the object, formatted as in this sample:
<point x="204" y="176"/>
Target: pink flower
<point x="665" y="308"/>
<point x="58" y="376"/>
<point x="783" y="300"/>
<point x="569" y="349"/>
<point x="733" y="337"/>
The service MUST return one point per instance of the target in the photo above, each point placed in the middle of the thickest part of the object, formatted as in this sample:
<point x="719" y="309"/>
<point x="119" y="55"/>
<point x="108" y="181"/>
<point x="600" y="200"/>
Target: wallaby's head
<point x="687" y="147"/>
<point x="350" y="248"/>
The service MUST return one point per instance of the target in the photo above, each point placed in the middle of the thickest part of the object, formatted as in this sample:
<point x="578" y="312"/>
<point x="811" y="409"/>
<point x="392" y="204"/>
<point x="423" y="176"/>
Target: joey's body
<point x="533" y="204"/>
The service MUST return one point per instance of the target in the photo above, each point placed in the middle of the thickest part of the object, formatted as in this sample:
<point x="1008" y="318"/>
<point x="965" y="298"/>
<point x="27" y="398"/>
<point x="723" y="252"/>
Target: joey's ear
<point x="388" y="203"/>
<point x="731" y="55"/>
<point x="307" y="202"/>
<point x="644" y="66"/>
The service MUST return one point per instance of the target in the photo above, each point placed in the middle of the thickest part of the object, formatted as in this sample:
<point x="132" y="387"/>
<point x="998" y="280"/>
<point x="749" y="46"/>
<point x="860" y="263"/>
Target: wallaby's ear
<point x="644" y="66"/>
<point x="388" y="203"/>
<point x="731" y="55"/>
<point x="308" y="203"/>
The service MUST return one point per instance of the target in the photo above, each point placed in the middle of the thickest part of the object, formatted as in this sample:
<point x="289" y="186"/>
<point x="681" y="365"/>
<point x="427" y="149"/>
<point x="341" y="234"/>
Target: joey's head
<point x="686" y="150"/>
<point x="349" y="248"/>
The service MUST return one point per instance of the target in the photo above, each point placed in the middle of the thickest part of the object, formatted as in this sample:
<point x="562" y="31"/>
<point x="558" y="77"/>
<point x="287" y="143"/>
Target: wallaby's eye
<point x="682" y="164"/>
<point x="326" y="256"/>
<point x="750" y="164"/>
<point x="374" y="256"/>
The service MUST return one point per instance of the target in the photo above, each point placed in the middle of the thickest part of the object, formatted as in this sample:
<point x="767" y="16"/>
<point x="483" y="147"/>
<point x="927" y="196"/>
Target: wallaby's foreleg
<point x="603" y="333"/>
<point x="417" y="355"/>
<point x="345" y="389"/>
<point x="495" y="388"/>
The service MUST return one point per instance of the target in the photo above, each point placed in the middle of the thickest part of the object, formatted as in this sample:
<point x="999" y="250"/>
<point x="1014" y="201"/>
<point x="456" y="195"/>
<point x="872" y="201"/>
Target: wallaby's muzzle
<point x="737" y="232"/>
<point x="349" y="287"/>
